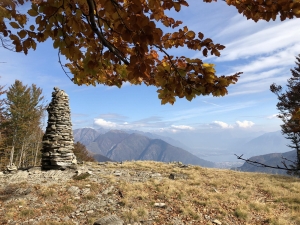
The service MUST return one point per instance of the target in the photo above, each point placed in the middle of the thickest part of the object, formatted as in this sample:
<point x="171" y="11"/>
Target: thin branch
<point x="255" y="163"/>
<point x="63" y="67"/>
<point x="106" y="43"/>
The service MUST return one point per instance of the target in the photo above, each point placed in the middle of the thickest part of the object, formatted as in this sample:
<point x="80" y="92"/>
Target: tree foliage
<point x="267" y="9"/>
<point x="115" y="41"/>
<point x="24" y="109"/>
<point x="81" y="153"/>
<point x="288" y="105"/>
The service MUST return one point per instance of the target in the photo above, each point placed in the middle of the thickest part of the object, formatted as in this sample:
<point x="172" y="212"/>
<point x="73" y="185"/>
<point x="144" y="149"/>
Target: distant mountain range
<point x="272" y="159"/>
<point x="272" y="142"/>
<point x="119" y="145"/>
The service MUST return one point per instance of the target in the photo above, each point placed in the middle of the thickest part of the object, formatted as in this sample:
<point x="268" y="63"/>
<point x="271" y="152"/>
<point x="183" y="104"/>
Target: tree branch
<point x="106" y="43"/>
<point x="63" y="67"/>
<point x="264" y="165"/>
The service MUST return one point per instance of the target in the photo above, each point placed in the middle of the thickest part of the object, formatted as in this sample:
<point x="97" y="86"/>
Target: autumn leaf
<point x="177" y="6"/>
<point x="190" y="34"/>
<point x="32" y="12"/>
<point x="22" y="33"/>
<point x="200" y="35"/>
<point x="14" y="25"/>
<point x="121" y="41"/>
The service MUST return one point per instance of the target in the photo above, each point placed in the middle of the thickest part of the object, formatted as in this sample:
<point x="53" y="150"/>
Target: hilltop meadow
<point x="148" y="192"/>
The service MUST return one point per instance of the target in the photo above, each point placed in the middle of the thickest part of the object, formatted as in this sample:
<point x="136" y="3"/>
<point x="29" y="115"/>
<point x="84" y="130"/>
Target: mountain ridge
<point x="119" y="145"/>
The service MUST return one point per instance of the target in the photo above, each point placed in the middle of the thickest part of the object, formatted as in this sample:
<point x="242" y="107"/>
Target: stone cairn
<point x="57" y="150"/>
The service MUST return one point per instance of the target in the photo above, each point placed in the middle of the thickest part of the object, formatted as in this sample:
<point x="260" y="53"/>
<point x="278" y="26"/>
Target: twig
<point x="264" y="165"/>
<point x="63" y="67"/>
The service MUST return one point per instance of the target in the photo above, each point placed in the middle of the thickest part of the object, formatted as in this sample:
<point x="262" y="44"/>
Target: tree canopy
<point x="23" y="111"/>
<point x="115" y="41"/>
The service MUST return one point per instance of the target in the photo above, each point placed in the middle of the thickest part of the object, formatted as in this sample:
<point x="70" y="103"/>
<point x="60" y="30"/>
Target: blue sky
<point x="264" y="51"/>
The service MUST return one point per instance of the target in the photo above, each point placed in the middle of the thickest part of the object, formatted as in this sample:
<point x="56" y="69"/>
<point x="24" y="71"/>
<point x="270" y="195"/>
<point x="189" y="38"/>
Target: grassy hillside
<point x="199" y="196"/>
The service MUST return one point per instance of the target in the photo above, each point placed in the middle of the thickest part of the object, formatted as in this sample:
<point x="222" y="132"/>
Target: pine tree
<point x="289" y="102"/>
<point x="24" y="109"/>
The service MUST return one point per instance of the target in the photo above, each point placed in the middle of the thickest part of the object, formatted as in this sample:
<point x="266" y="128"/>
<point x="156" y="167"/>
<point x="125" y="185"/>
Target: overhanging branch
<point x="106" y="43"/>
<point x="264" y="165"/>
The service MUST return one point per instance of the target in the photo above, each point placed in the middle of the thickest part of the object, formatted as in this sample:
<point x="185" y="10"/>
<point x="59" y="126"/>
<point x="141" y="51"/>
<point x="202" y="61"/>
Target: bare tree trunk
<point x="11" y="156"/>
<point x="37" y="147"/>
<point x="21" y="154"/>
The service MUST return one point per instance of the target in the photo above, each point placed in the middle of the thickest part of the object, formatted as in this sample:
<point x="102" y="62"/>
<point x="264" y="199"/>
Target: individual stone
<point x="90" y="211"/>
<point x="11" y="168"/>
<point x="217" y="222"/>
<point x="160" y="204"/>
<point x="58" y="141"/>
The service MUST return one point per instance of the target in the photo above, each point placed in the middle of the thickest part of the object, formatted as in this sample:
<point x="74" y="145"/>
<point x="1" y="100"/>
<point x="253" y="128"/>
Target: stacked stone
<point x="58" y="142"/>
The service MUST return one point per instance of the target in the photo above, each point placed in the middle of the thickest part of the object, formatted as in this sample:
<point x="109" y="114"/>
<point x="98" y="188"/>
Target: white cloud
<point x="282" y="58"/>
<point x="232" y="93"/>
<point x="211" y="103"/>
<point x="264" y="41"/>
<point x="223" y="124"/>
<point x="209" y="110"/>
<point x="245" y="124"/>
<point x="250" y="77"/>
<point x="274" y="116"/>
<point x="255" y="87"/>
<point x="167" y="129"/>
<point x="104" y="123"/>
<point x="182" y="127"/>
<point x="116" y="121"/>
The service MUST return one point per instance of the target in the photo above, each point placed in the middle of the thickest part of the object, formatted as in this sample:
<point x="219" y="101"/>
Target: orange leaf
<point x="190" y="34"/>
<point x="200" y="35"/>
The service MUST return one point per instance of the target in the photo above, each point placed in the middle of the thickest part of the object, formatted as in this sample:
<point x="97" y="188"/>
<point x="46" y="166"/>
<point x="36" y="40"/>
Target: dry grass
<point x="229" y="196"/>
<point x="252" y="198"/>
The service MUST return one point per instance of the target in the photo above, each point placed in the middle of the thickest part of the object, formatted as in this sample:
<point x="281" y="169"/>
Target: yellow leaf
<point x="190" y="34"/>
<point x="14" y="25"/>
<point x="207" y="65"/>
